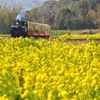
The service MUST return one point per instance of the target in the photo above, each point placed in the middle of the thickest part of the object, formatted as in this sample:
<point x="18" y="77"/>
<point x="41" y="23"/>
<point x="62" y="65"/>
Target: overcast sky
<point x="26" y="4"/>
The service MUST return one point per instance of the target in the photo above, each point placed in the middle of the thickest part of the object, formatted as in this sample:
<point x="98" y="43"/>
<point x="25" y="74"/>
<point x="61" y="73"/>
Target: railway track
<point x="11" y="37"/>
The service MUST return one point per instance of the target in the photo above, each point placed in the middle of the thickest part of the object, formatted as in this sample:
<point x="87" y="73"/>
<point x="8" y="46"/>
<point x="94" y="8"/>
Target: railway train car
<point x="26" y="28"/>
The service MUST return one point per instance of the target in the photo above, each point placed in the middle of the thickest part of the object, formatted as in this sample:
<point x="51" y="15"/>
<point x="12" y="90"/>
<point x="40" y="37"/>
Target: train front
<point x="19" y="28"/>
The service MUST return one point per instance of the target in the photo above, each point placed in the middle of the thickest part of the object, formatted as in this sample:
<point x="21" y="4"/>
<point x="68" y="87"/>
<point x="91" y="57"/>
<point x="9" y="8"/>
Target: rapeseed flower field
<point x="77" y="36"/>
<point x="49" y="70"/>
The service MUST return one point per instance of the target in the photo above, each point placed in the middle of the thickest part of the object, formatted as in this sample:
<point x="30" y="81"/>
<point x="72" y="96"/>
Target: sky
<point x="26" y="4"/>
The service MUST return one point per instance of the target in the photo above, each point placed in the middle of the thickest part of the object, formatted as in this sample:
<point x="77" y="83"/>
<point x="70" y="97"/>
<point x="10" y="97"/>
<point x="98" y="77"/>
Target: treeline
<point x="7" y="16"/>
<point x="68" y="14"/>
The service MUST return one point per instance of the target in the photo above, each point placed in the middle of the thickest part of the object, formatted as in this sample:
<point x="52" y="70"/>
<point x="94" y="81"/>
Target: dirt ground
<point x="81" y="41"/>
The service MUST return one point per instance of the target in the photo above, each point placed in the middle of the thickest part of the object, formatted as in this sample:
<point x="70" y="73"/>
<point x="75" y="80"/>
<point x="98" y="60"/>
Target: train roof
<point x="36" y="23"/>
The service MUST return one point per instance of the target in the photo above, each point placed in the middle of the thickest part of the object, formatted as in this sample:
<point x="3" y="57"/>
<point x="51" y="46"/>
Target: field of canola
<point x="77" y="36"/>
<point x="49" y="70"/>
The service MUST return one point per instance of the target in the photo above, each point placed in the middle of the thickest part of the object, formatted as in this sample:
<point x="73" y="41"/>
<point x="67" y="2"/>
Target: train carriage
<point x="27" y="28"/>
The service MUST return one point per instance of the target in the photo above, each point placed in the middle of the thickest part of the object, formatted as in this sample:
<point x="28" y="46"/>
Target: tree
<point x="7" y="16"/>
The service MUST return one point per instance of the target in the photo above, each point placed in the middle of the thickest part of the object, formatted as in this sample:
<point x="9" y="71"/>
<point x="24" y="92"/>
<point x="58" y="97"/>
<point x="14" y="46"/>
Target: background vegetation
<point x="60" y="15"/>
<point x="68" y="14"/>
<point x="7" y="16"/>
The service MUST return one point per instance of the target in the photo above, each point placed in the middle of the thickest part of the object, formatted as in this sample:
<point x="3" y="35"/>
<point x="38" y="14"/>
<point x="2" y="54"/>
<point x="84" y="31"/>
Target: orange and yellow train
<point x="26" y="28"/>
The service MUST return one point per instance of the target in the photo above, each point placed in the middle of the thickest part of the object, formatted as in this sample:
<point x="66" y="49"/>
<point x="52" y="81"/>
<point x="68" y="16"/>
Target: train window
<point x="24" y="24"/>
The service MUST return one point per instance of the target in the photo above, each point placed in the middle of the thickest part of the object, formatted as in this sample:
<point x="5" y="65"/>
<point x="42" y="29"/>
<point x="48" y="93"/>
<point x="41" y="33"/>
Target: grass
<point x="3" y="34"/>
<point x="65" y="32"/>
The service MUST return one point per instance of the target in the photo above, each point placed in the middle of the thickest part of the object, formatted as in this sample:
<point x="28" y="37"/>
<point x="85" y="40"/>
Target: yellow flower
<point x="25" y="94"/>
<point x="4" y="97"/>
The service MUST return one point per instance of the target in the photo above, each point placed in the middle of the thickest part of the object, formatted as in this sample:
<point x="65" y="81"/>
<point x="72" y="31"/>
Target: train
<point x="27" y="28"/>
